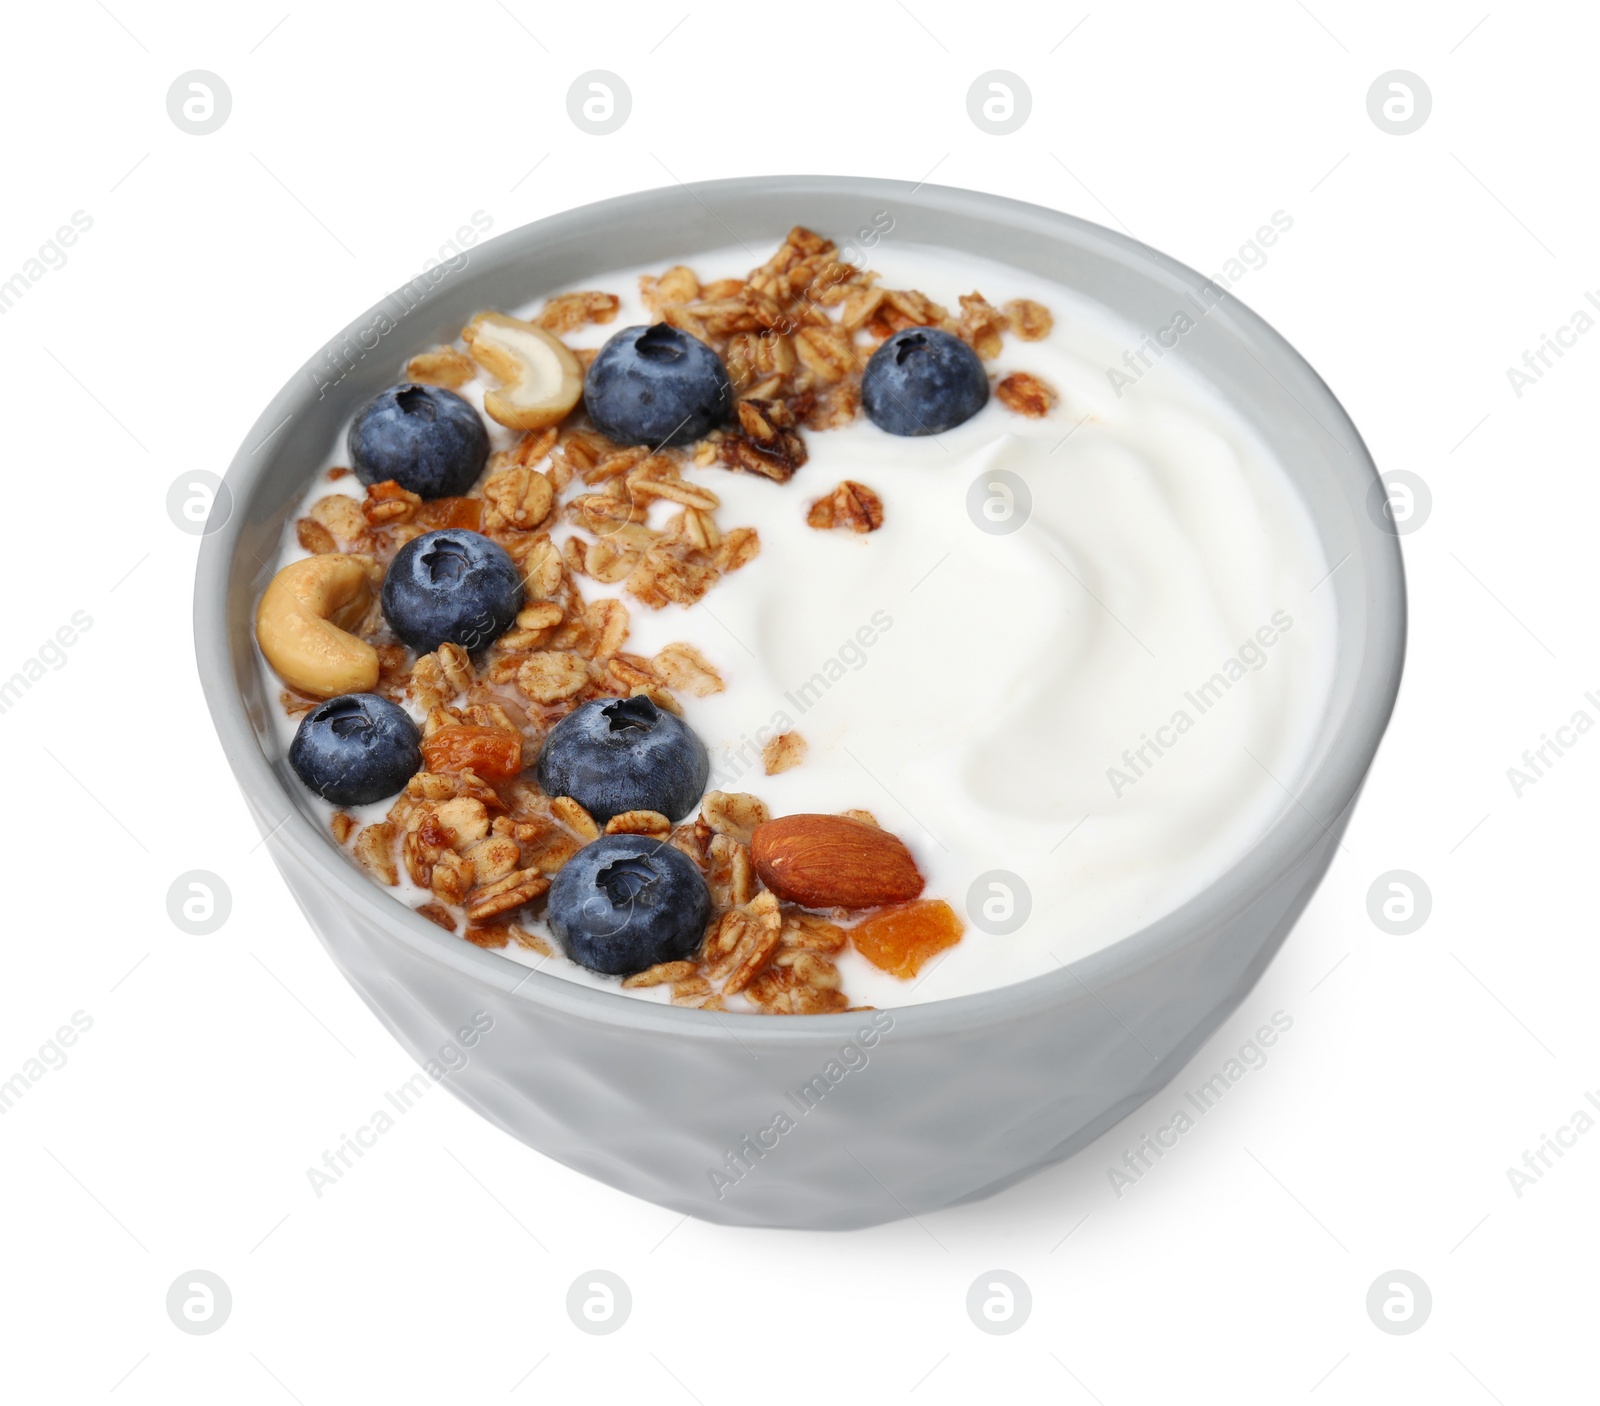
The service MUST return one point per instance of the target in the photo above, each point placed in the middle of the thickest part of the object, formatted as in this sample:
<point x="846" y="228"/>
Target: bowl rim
<point x="1329" y="788"/>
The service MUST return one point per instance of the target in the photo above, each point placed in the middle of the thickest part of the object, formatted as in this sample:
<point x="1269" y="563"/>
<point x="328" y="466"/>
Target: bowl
<point x="829" y="1121"/>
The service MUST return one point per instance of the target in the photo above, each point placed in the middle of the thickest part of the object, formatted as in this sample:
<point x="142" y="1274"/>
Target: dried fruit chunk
<point x="899" y="940"/>
<point x="492" y="752"/>
<point x="450" y="512"/>
<point x="828" y="861"/>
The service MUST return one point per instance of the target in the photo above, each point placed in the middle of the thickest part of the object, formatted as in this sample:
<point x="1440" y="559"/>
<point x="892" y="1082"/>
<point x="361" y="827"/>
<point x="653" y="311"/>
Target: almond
<point x="830" y="861"/>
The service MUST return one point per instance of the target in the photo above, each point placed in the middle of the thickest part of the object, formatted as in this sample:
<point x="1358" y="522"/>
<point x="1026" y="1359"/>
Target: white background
<point x="218" y="1068"/>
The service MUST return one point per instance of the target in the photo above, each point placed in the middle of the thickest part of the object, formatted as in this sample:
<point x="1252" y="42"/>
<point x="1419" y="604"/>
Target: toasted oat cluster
<point x="570" y="506"/>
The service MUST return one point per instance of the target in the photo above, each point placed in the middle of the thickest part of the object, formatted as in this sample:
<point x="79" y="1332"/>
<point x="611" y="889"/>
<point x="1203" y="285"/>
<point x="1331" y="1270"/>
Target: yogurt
<point x="1079" y="669"/>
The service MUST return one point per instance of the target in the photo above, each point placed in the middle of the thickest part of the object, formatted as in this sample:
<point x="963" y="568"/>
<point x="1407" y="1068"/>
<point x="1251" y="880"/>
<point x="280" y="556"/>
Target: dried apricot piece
<point x="492" y="752"/>
<point x="451" y="512"/>
<point x="899" y="940"/>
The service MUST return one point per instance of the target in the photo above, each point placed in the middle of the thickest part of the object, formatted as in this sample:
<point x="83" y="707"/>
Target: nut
<point x="827" y="861"/>
<point x="304" y="621"/>
<point x="540" y="379"/>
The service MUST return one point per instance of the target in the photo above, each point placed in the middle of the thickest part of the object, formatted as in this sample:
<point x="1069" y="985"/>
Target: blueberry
<point x="626" y="902"/>
<point x="617" y="754"/>
<point x="656" y="386"/>
<point x="356" y="749"/>
<point x="451" y="585"/>
<point x="426" y="439"/>
<point x="923" y="381"/>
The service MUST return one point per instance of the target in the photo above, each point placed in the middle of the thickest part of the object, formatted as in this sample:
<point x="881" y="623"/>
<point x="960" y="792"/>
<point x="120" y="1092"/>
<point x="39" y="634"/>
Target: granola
<point x="600" y="531"/>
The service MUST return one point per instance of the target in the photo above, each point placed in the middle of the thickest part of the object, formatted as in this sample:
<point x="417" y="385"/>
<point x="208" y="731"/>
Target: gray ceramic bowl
<point x="937" y="1103"/>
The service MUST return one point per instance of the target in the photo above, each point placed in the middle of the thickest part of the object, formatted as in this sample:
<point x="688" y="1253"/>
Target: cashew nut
<point x="540" y="379"/>
<point x="304" y="621"/>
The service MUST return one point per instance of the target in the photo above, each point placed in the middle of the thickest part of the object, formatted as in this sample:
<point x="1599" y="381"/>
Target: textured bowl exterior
<point x="819" y="1121"/>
